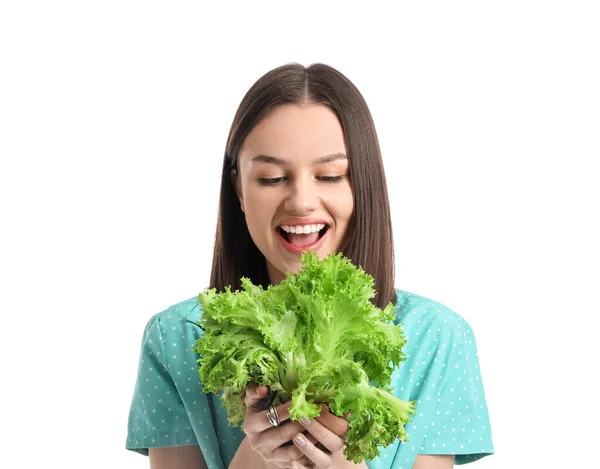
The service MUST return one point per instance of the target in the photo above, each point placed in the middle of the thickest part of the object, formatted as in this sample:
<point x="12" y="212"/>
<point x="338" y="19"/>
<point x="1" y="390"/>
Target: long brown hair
<point x="368" y="241"/>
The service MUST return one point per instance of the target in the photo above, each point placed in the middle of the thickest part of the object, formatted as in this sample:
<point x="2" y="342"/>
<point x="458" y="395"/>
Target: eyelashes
<point x="269" y="181"/>
<point x="276" y="181"/>
<point x="330" y="178"/>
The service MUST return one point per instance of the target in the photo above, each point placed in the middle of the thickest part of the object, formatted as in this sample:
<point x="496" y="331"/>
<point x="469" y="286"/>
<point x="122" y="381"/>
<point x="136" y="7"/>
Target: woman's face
<point x="293" y="185"/>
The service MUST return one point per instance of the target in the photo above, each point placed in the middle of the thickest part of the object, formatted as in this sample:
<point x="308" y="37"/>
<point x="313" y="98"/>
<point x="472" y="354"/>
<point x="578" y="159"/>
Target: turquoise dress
<point x="441" y="373"/>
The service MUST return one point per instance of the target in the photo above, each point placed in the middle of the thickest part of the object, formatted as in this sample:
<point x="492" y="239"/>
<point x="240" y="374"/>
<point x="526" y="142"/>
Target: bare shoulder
<point x="182" y="457"/>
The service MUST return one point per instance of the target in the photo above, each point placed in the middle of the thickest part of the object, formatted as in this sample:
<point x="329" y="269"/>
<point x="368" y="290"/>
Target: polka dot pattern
<point x="441" y="373"/>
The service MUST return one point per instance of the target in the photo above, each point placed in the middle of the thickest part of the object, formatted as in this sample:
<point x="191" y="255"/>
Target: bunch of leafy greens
<point x="314" y="338"/>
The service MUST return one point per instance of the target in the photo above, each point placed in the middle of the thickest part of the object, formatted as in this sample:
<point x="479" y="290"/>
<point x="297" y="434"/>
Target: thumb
<point x="255" y="395"/>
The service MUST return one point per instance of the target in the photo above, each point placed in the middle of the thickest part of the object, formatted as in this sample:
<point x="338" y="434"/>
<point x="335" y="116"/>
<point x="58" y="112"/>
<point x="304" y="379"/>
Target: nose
<point x="302" y="198"/>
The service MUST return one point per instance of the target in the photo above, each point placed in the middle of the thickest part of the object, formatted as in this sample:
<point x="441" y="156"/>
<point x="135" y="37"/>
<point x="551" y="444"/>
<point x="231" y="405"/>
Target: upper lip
<point x="302" y="221"/>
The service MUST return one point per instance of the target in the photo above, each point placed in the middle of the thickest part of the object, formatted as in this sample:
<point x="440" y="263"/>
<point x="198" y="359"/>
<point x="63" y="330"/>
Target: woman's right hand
<point x="269" y="441"/>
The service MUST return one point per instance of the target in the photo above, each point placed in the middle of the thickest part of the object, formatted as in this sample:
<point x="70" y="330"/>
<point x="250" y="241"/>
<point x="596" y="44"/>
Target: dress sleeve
<point x="462" y="424"/>
<point x="157" y="416"/>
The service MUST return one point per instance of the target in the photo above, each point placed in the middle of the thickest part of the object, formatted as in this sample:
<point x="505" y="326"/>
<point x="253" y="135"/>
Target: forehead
<point x="295" y="133"/>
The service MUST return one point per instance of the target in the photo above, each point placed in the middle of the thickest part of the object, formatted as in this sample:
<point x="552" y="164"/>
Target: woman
<point x="303" y="170"/>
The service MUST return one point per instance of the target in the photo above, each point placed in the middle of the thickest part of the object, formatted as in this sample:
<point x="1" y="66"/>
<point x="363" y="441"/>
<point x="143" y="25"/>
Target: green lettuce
<point x="314" y="338"/>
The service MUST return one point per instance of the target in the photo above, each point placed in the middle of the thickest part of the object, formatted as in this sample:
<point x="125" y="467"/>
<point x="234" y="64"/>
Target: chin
<point x="293" y="267"/>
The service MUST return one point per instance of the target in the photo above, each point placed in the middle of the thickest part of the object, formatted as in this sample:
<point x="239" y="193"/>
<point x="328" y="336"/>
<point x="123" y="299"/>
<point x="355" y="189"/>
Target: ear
<point x="235" y="180"/>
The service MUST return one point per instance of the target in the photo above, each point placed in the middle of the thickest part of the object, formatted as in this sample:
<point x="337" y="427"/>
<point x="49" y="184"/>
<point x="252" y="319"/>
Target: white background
<point x="113" y="122"/>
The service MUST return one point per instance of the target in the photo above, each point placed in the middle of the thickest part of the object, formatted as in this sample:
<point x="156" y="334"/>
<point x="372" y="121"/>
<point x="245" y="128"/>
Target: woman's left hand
<point x="324" y="442"/>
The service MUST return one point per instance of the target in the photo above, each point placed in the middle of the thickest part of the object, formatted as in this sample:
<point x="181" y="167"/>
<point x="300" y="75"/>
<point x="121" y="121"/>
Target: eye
<point x="270" y="181"/>
<point x="330" y="178"/>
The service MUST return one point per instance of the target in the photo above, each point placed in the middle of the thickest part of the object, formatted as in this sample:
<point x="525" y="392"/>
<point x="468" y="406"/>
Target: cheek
<point x="259" y="209"/>
<point x="345" y="205"/>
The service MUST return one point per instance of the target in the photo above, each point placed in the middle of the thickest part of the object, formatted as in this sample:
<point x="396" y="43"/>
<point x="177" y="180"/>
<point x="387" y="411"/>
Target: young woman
<point x="303" y="171"/>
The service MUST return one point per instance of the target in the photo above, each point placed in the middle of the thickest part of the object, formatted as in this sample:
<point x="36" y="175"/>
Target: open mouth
<point x="303" y="239"/>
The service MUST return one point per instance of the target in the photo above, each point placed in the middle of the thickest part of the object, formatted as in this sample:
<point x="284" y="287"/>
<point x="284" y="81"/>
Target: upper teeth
<point x="303" y="229"/>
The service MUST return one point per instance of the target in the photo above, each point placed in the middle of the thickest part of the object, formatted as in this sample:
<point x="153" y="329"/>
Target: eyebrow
<point x="281" y="162"/>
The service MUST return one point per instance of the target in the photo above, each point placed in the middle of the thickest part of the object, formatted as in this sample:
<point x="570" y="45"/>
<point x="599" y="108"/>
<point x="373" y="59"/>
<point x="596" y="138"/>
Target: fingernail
<point x="294" y="466"/>
<point x="304" y="421"/>
<point x="299" y="440"/>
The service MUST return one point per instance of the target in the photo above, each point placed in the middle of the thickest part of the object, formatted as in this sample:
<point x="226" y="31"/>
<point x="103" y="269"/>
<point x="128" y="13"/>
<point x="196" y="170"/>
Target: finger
<point x="255" y="394"/>
<point x="274" y="438"/>
<point x="315" y="442"/>
<point x="284" y="455"/>
<point x="326" y="437"/>
<point x="337" y="425"/>
<point x="298" y="465"/>
<point x="304" y="463"/>
<point x="294" y="454"/>
<point x="318" y="457"/>
<point x="289" y="454"/>
<point x="281" y="459"/>
<point x="257" y="421"/>
<point x="301" y="459"/>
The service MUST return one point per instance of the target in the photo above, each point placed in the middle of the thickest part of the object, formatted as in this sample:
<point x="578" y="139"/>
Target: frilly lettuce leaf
<point x="315" y="338"/>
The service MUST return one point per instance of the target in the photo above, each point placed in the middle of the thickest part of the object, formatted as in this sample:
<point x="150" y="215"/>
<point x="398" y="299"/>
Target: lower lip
<point x="298" y="250"/>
